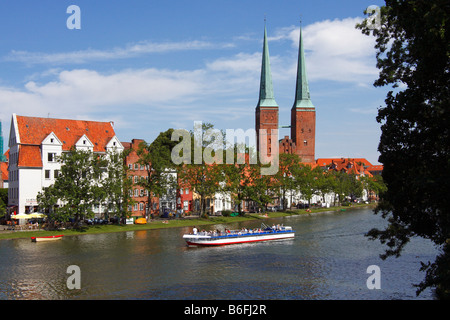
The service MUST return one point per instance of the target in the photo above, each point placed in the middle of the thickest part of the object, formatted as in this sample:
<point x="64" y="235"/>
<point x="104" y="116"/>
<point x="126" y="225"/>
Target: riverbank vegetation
<point x="172" y="223"/>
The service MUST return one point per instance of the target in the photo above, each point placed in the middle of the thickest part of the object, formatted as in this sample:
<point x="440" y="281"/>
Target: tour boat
<point x="214" y="238"/>
<point x="49" y="238"/>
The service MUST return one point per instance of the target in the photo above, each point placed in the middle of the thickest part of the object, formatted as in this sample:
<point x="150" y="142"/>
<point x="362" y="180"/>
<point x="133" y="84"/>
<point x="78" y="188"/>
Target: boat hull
<point x="49" y="238"/>
<point x="193" y="240"/>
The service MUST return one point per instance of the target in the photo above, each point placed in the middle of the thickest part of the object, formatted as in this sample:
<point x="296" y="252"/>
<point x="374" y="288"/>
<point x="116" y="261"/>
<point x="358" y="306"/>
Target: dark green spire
<point x="302" y="97"/>
<point x="266" y="96"/>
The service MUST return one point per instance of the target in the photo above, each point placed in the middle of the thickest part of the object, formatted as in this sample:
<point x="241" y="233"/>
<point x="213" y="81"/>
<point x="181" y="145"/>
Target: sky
<point x="151" y="65"/>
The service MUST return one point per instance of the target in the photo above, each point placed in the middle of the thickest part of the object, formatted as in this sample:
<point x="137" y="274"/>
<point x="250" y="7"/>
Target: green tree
<point x="260" y="187"/>
<point x="412" y="44"/>
<point x="307" y="180"/>
<point x="77" y="187"/>
<point x="3" y="201"/>
<point x="204" y="176"/>
<point x="115" y="186"/>
<point x="286" y="179"/>
<point x="324" y="182"/>
<point x="156" y="158"/>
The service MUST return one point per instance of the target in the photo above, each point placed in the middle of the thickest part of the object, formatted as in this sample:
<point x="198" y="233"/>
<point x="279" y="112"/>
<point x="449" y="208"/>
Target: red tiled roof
<point x="4" y="171"/>
<point x="33" y="131"/>
<point x="328" y="161"/>
<point x="30" y="156"/>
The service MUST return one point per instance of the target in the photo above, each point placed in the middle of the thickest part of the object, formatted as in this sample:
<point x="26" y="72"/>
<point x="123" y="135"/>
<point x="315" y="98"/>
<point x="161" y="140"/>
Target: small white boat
<point x="49" y="238"/>
<point x="239" y="236"/>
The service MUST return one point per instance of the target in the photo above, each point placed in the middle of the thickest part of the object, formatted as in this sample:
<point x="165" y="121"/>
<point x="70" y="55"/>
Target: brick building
<point x="136" y="173"/>
<point x="303" y="112"/>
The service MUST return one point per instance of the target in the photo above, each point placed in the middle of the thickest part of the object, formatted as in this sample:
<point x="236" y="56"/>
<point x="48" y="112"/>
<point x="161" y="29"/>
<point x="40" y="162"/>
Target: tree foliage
<point x="86" y="180"/>
<point x="413" y="56"/>
<point x="156" y="158"/>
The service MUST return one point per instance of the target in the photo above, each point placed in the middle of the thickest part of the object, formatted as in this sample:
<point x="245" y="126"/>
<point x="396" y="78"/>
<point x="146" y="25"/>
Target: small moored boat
<point x="49" y="238"/>
<point x="140" y="221"/>
<point x="215" y="238"/>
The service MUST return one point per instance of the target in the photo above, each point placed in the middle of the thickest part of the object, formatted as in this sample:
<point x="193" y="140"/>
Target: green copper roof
<point x="266" y="96"/>
<point x="302" y="97"/>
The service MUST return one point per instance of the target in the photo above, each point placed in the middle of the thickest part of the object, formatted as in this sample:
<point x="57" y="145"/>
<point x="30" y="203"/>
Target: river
<point x="328" y="259"/>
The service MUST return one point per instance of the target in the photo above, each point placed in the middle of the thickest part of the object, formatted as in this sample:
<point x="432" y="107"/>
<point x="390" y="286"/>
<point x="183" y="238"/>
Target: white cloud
<point x="129" y="51"/>
<point x="223" y="90"/>
<point x="334" y="50"/>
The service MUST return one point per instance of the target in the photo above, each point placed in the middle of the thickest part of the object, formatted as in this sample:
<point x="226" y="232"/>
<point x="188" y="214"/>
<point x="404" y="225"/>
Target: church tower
<point x="267" y="108"/>
<point x="303" y="112"/>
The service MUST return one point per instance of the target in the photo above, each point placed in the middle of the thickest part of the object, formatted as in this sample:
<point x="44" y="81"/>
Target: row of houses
<point x="35" y="143"/>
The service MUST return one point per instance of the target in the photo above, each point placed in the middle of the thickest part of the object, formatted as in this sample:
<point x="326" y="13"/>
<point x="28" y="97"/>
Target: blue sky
<point x="152" y="65"/>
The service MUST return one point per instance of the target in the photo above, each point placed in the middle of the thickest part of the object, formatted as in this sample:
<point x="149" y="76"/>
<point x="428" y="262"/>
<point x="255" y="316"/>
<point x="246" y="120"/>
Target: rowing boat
<point x="49" y="238"/>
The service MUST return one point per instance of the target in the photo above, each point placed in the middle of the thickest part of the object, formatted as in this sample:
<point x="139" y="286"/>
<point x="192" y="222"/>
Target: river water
<point x="328" y="259"/>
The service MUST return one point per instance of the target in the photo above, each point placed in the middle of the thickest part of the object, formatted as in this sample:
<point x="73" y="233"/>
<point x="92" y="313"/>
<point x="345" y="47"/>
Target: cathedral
<point x="303" y="112"/>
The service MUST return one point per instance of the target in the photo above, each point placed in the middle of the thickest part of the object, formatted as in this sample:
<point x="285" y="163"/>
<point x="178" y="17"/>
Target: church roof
<point x="266" y="95"/>
<point x="302" y="97"/>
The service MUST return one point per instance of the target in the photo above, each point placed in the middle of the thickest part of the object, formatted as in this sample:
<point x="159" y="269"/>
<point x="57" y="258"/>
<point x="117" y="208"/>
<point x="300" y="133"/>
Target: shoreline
<point x="175" y="223"/>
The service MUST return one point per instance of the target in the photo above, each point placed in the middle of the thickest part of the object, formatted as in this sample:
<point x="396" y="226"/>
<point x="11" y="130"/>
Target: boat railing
<point x="240" y="233"/>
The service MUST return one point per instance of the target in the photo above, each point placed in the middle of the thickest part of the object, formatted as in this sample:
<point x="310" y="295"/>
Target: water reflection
<point x="326" y="260"/>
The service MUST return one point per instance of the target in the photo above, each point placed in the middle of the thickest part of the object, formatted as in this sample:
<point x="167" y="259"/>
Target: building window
<point x="136" y="166"/>
<point x="141" y="206"/>
<point x="136" y="192"/>
<point x="186" y="205"/>
<point x="51" y="157"/>
<point x="187" y="190"/>
<point x="181" y="191"/>
<point x="305" y="143"/>
<point x="47" y="174"/>
<point x="56" y="174"/>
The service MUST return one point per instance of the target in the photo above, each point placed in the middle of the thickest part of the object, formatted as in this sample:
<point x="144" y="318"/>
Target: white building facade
<point x="36" y="143"/>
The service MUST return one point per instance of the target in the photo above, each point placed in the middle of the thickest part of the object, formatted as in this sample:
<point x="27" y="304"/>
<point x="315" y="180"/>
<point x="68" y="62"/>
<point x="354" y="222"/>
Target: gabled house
<point x="34" y="145"/>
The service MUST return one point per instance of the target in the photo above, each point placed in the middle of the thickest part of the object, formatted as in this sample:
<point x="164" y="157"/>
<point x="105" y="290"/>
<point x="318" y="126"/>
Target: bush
<point x="226" y="213"/>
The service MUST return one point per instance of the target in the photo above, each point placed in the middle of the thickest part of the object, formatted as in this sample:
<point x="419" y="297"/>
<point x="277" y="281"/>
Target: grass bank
<point x="175" y="223"/>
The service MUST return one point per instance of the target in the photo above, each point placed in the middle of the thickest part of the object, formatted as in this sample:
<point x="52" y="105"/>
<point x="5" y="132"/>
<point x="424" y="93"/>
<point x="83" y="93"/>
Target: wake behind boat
<point x="217" y="238"/>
